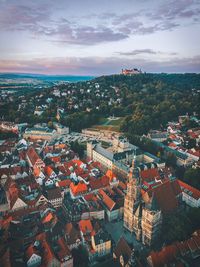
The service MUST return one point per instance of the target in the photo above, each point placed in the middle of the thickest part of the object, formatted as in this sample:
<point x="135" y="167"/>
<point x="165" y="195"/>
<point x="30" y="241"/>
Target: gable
<point x="34" y="258"/>
<point x="41" y="199"/>
<point x="19" y="204"/>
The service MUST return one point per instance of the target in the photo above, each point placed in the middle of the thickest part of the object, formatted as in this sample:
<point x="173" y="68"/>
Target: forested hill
<point x="137" y="82"/>
<point x="149" y="100"/>
<point x="145" y="101"/>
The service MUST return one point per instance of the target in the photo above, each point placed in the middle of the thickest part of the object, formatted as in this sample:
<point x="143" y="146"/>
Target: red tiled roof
<point x="5" y="222"/>
<point x="48" y="170"/>
<point x="63" y="249"/>
<point x="22" y="155"/>
<point x="48" y="218"/>
<point x="194" y="153"/>
<point x="105" y="181"/>
<point x="169" y="254"/>
<point x="110" y="175"/>
<point x="172" y="145"/>
<point x="150" y="174"/>
<point x="187" y="188"/>
<point x="11" y="170"/>
<point x="90" y="197"/>
<point x="32" y="155"/>
<point x="56" y="159"/>
<point x="77" y="162"/>
<point x="172" y="136"/>
<point x="36" y="171"/>
<point x="165" y="195"/>
<point x="81" y="187"/>
<point x="64" y="183"/>
<point x="48" y="255"/>
<point x="60" y="146"/>
<point x="30" y="251"/>
<point x="165" y="256"/>
<point x="79" y="171"/>
<point x="107" y="200"/>
<point x="85" y="226"/>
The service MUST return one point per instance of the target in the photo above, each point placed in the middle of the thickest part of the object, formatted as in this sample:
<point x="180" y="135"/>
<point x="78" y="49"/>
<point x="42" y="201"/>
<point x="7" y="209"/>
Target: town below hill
<point x="104" y="172"/>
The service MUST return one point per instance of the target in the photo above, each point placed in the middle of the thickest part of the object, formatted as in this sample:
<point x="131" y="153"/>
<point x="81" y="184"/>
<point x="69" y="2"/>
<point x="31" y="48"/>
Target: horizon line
<point x="89" y="75"/>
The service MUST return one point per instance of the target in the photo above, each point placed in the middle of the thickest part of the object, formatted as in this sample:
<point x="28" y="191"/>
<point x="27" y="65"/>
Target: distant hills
<point x="46" y="78"/>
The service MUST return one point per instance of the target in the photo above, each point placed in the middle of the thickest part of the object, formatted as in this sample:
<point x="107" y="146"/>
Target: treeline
<point x="78" y="121"/>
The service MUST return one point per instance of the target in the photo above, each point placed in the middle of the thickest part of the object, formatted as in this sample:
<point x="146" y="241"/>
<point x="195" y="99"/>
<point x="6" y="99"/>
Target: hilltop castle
<point x="131" y="71"/>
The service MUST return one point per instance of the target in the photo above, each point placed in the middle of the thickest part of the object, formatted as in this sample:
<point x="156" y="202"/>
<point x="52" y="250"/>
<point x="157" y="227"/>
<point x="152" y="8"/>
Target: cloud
<point x="137" y="52"/>
<point x="41" y="20"/>
<point x="17" y="17"/>
<point x="145" y="51"/>
<point x="98" y="65"/>
<point x="38" y="21"/>
<point x="172" y="10"/>
<point x="88" y="35"/>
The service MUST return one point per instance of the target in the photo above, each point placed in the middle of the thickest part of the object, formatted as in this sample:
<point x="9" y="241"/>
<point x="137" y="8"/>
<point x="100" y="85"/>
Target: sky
<point x="92" y="37"/>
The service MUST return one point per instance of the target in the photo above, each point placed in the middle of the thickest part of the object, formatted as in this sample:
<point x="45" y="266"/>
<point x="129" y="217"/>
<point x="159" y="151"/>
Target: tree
<point x="171" y="160"/>
<point x="176" y="226"/>
<point x="192" y="177"/>
<point x="78" y="148"/>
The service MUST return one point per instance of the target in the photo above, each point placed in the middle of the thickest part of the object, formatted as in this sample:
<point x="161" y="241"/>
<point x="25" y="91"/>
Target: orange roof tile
<point x="36" y="171"/>
<point x="90" y="197"/>
<point x="149" y="174"/>
<point x="64" y="183"/>
<point x="48" y="170"/>
<point x="85" y="226"/>
<point x="78" y="162"/>
<point x="48" y="255"/>
<point x="56" y="159"/>
<point x="110" y="174"/>
<point x="172" y="145"/>
<point x="165" y="256"/>
<point x="80" y="188"/>
<point x="32" y="155"/>
<point x="165" y="195"/>
<point x="30" y="251"/>
<point x="48" y="218"/>
<point x="185" y="188"/>
<point x="107" y="200"/>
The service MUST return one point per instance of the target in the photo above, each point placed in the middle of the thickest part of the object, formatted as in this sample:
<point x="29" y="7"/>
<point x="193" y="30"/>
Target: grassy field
<point x="109" y="124"/>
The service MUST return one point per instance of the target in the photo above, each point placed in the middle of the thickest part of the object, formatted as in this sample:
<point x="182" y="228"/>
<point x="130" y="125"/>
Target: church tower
<point x="132" y="205"/>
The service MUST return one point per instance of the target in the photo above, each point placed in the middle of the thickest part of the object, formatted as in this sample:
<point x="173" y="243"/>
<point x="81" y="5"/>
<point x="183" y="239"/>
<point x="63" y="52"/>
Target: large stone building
<point x="41" y="133"/>
<point x="120" y="155"/>
<point x="121" y="151"/>
<point x="143" y="210"/>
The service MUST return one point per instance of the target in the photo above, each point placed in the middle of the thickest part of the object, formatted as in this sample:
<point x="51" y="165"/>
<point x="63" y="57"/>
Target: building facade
<point x="143" y="219"/>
